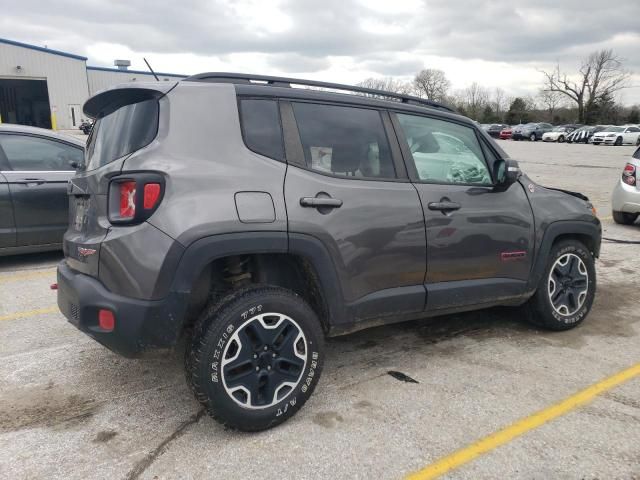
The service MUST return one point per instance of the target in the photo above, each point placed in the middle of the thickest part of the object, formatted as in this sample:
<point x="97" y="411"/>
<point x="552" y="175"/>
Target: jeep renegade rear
<point x="255" y="219"/>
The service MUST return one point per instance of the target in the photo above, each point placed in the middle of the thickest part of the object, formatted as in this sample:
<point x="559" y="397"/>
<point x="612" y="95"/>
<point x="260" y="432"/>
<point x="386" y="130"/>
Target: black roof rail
<point x="228" y="77"/>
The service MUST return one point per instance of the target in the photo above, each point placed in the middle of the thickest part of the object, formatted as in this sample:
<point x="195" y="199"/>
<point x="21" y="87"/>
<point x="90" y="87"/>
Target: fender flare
<point x="555" y="230"/>
<point x="207" y="249"/>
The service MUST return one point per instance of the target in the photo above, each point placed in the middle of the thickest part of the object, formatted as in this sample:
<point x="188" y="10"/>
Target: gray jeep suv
<point x="254" y="219"/>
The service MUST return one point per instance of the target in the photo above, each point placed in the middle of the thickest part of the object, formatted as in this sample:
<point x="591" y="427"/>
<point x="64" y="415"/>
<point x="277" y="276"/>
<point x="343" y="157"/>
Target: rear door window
<point x="261" y="127"/>
<point x="28" y="153"/>
<point x="344" y="141"/>
<point x="122" y="132"/>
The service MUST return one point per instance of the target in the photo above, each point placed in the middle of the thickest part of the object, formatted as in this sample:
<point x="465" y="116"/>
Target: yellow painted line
<point x="27" y="276"/>
<point x="522" y="426"/>
<point x="29" y="313"/>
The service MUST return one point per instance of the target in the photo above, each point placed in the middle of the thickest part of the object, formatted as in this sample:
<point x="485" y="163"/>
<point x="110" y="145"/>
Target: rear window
<point x="122" y="132"/>
<point x="344" y="141"/>
<point x="261" y="127"/>
<point x="28" y="153"/>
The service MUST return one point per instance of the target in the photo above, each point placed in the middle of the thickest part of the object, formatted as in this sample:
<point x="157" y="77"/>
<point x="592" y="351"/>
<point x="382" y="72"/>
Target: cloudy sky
<point x="495" y="43"/>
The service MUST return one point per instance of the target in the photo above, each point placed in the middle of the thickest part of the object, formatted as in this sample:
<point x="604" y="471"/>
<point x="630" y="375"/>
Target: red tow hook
<point x="53" y="286"/>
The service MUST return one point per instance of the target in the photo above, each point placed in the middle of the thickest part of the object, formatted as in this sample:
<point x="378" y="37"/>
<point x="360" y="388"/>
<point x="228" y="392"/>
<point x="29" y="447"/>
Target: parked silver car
<point x="625" y="201"/>
<point x="35" y="167"/>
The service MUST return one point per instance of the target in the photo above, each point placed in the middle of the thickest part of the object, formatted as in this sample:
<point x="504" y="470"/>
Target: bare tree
<point x="388" y="84"/>
<point x="432" y="83"/>
<point x="500" y="102"/>
<point x="550" y="100"/>
<point x="601" y="75"/>
<point x="476" y="97"/>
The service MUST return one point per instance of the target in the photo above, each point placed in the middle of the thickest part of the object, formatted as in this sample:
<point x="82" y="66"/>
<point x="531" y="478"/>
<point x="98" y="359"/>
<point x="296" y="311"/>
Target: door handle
<point x="323" y="202"/>
<point x="444" y="206"/>
<point x="31" y="182"/>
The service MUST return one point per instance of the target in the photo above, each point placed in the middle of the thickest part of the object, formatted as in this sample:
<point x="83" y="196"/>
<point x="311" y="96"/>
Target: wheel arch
<point x="586" y="232"/>
<point x="215" y="265"/>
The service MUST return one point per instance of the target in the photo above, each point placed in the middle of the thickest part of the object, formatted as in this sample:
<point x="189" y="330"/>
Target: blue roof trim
<point x="42" y="49"/>
<point x="139" y="72"/>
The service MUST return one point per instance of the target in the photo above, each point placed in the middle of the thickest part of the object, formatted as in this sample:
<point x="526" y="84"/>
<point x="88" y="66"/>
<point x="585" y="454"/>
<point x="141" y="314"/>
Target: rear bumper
<point x="625" y="198"/>
<point x="139" y="325"/>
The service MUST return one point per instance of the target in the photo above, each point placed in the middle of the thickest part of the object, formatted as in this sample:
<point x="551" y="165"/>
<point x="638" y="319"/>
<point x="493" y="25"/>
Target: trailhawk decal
<point x="517" y="255"/>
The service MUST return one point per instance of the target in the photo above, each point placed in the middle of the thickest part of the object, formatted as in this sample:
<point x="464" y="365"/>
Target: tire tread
<point x="202" y="331"/>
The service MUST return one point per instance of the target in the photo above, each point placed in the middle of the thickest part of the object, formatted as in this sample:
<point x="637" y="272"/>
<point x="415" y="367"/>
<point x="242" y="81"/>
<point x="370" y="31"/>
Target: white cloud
<point x="497" y="44"/>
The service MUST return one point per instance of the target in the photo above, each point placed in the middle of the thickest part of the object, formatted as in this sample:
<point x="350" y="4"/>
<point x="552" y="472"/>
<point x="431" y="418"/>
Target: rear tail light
<point x="127" y="199"/>
<point x="629" y="174"/>
<point x="151" y="195"/>
<point x="133" y="198"/>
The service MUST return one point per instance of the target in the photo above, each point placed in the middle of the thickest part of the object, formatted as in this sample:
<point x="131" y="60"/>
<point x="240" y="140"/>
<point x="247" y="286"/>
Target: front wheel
<point x="560" y="139"/>
<point x="533" y="137"/>
<point x="255" y="357"/>
<point x="567" y="289"/>
<point x="618" y="141"/>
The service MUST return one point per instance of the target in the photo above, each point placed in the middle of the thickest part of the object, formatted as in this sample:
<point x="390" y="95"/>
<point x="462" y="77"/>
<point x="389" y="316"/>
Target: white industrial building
<point x="47" y="88"/>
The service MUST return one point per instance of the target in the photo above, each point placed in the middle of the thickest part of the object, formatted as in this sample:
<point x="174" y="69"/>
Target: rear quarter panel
<point x="199" y="148"/>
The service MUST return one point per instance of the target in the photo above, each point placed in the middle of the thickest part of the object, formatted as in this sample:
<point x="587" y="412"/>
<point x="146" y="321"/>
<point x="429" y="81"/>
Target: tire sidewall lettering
<point x="580" y="314"/>
<point x="291" y="403"/>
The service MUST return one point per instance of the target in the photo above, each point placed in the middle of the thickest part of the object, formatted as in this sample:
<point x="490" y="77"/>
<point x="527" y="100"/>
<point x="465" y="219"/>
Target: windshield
<point x="122" y="132"/>
<point x="559" y="129"/>
<point x="613" y="129"/>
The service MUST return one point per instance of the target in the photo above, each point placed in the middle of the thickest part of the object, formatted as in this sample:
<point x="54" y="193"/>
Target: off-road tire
<point x="624" y="218"/>
<point x="540" y="311"/>
<point x="213" y="337"/>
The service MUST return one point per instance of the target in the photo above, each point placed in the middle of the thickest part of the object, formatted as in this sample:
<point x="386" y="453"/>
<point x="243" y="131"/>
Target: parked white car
<point x="625" y="201"/>
<point x="558" y="134"/>
<point x="627" y="135"/>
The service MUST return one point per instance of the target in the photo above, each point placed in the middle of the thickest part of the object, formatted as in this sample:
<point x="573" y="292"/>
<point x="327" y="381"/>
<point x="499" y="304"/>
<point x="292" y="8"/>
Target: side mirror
<point x="506" y="173"/>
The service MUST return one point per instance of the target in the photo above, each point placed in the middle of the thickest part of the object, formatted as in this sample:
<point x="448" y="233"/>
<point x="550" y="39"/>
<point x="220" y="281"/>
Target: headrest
<point x="425" y="143"/>
<point x="347" y="157"/>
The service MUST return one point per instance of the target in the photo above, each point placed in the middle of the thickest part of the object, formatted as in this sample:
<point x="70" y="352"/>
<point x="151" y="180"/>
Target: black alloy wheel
<point x="264" y="360"/>
<point x="568" y="284"/>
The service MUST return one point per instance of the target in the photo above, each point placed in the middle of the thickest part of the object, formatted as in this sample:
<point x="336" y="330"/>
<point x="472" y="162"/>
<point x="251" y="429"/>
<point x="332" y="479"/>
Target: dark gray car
<point x="531" y="131"/>
<point x="256" y="219"/>
<point x="35" y="168"/>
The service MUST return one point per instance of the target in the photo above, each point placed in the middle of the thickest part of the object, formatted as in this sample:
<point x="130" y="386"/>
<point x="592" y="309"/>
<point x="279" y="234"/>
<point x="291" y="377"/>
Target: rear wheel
<point x="560" y="139"/>
<point x="533" y="137"/>
<point x="255" y="357"/>
<point x="567" y="289"/>
<point x="624" y="218"/>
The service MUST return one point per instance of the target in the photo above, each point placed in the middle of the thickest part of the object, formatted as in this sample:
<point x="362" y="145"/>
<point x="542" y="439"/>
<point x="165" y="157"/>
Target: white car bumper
<point x="625" y="198"/>
<point x="603" y="140"/>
